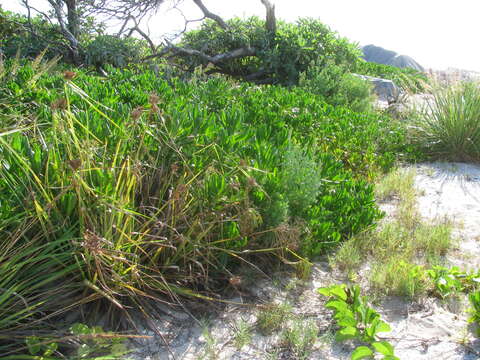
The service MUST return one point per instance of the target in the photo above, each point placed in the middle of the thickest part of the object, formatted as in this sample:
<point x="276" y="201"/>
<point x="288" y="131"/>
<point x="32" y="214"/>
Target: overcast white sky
<point x="436" y="33"/>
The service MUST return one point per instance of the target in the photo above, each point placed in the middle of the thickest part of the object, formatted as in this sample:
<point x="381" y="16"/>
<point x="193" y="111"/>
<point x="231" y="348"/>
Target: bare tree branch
<point x="210" y="15"/>
<point x="73" y="41"/>
<point x="160" y="54"/>
<point x="30" y="28"/>
<point x="185" y="22"/>
<point x="217" y="59"/>
<point x="142" y="33"/>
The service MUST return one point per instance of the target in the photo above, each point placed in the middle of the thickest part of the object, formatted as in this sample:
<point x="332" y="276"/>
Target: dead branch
<point x="220" y="58"/>
<point x="208" y="14"/>
<point x="74" y="43"/>
<point x="141" y="32"/>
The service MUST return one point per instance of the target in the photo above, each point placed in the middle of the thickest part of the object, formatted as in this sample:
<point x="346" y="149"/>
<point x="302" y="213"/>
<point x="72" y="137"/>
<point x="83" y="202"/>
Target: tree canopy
<point x="253" y="49"/>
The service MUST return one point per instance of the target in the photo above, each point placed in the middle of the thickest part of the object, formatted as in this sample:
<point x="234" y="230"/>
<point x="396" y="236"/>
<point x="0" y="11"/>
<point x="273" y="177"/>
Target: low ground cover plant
<point x="451" y="281"/>
<point x="357" y="321"/>
<point x="121" y="189"/>
<point x="400" y="250"/>
<point x="337" y="86"/>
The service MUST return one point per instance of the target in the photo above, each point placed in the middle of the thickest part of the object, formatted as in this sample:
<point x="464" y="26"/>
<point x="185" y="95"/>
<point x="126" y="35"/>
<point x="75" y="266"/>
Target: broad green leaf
<point x="383" y="347"/>
<point x="347" y="333"/>
<point x="79" y="329"/>
<point x="33" y="344"/>
<point x="325" y="291"/>
<point x="339" y="292"/>
<point x="361" y="352"/>
<point x="336" y="305"/>
<point x="347" y="321"/>
<point x="50" y="348"/>
<point x="382" y="326"/>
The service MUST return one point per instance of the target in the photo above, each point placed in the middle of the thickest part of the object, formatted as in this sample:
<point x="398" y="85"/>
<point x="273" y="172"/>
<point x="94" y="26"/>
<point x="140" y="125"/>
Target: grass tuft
<point x="450" y="127"/>
<point x="399" y="248"/>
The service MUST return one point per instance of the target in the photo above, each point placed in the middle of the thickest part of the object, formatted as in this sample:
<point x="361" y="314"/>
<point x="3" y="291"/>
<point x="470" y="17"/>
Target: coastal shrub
<point x="338" y="87"/>
<point x="111" y="50"/>
<point x="15" y="37"/>
<point x="39" y="36"/>
<point x="133" y="187"/>
<point x="283" y="58"/>
<point x="408" y="79"/>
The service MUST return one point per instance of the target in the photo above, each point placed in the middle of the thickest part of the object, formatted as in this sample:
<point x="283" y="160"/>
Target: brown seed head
<point x="59" y="104"/>
<point x="235" y="281"/>
<point x="75" y="164"/>
<point x="174" y="168"/>
<point x="153" y="99"/>
<point x="155" y="108"/>
<point x="136" y="113"/>
<point x="69" y="75"/>
<point x="252" y="182"/>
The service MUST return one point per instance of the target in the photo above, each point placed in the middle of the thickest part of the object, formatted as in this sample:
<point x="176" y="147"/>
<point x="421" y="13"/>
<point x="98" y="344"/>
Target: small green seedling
<point x="451" y="281"/>
<point x="357" y="320"/>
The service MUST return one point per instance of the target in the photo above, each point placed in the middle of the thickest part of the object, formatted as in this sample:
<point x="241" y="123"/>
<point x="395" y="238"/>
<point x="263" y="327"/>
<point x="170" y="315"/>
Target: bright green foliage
<point x="450" y="128"/>
<point x="14" y="38"/>
<point x="283" y="58"/>
<point x="357" y="320"/>
<point x="111" y="191"/>
<point x="94" y="344"/>
<point x="337" y="86"/>
<point x="452" y="281"/>
<point x="16" y="35"/>
<point x="111" y="50"/>
<point x="399" y="277"/>
<point x="475" y="311"/>
<point x="408" y="79"/>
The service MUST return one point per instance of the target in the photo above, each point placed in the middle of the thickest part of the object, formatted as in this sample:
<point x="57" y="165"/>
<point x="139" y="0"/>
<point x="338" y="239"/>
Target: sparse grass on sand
<point x="398" y="249"/>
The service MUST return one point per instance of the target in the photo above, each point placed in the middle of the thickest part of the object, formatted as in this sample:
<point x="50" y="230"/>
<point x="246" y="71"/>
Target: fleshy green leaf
<point x="347" y="321"/>
<point x="336" y="305"/>
<point x="325" y="291"/>
<point x="382" y="326"/>
<point x="339" y="292"/>
<point x="383" y="347"/>
<point x="80" y="329"/>
<point x="346" y="333"/>
<point x="362" y="352"/>
<point x="33" y="344"/>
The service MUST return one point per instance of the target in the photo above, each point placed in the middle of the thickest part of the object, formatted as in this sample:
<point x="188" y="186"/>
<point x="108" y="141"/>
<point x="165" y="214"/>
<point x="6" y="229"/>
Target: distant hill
<point x="380" y="55"/>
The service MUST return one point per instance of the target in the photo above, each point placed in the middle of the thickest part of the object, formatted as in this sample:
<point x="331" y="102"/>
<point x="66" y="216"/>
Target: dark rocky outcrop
<point x="380" y="55"/>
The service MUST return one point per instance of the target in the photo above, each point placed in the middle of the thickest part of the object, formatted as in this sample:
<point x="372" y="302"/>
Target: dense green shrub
<point x="338" y="87"/>
<point x="134" y="186"/>
<point x="111" y="50"/>
<point x="15" y="36"/>
<point x="283" y="58"/>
